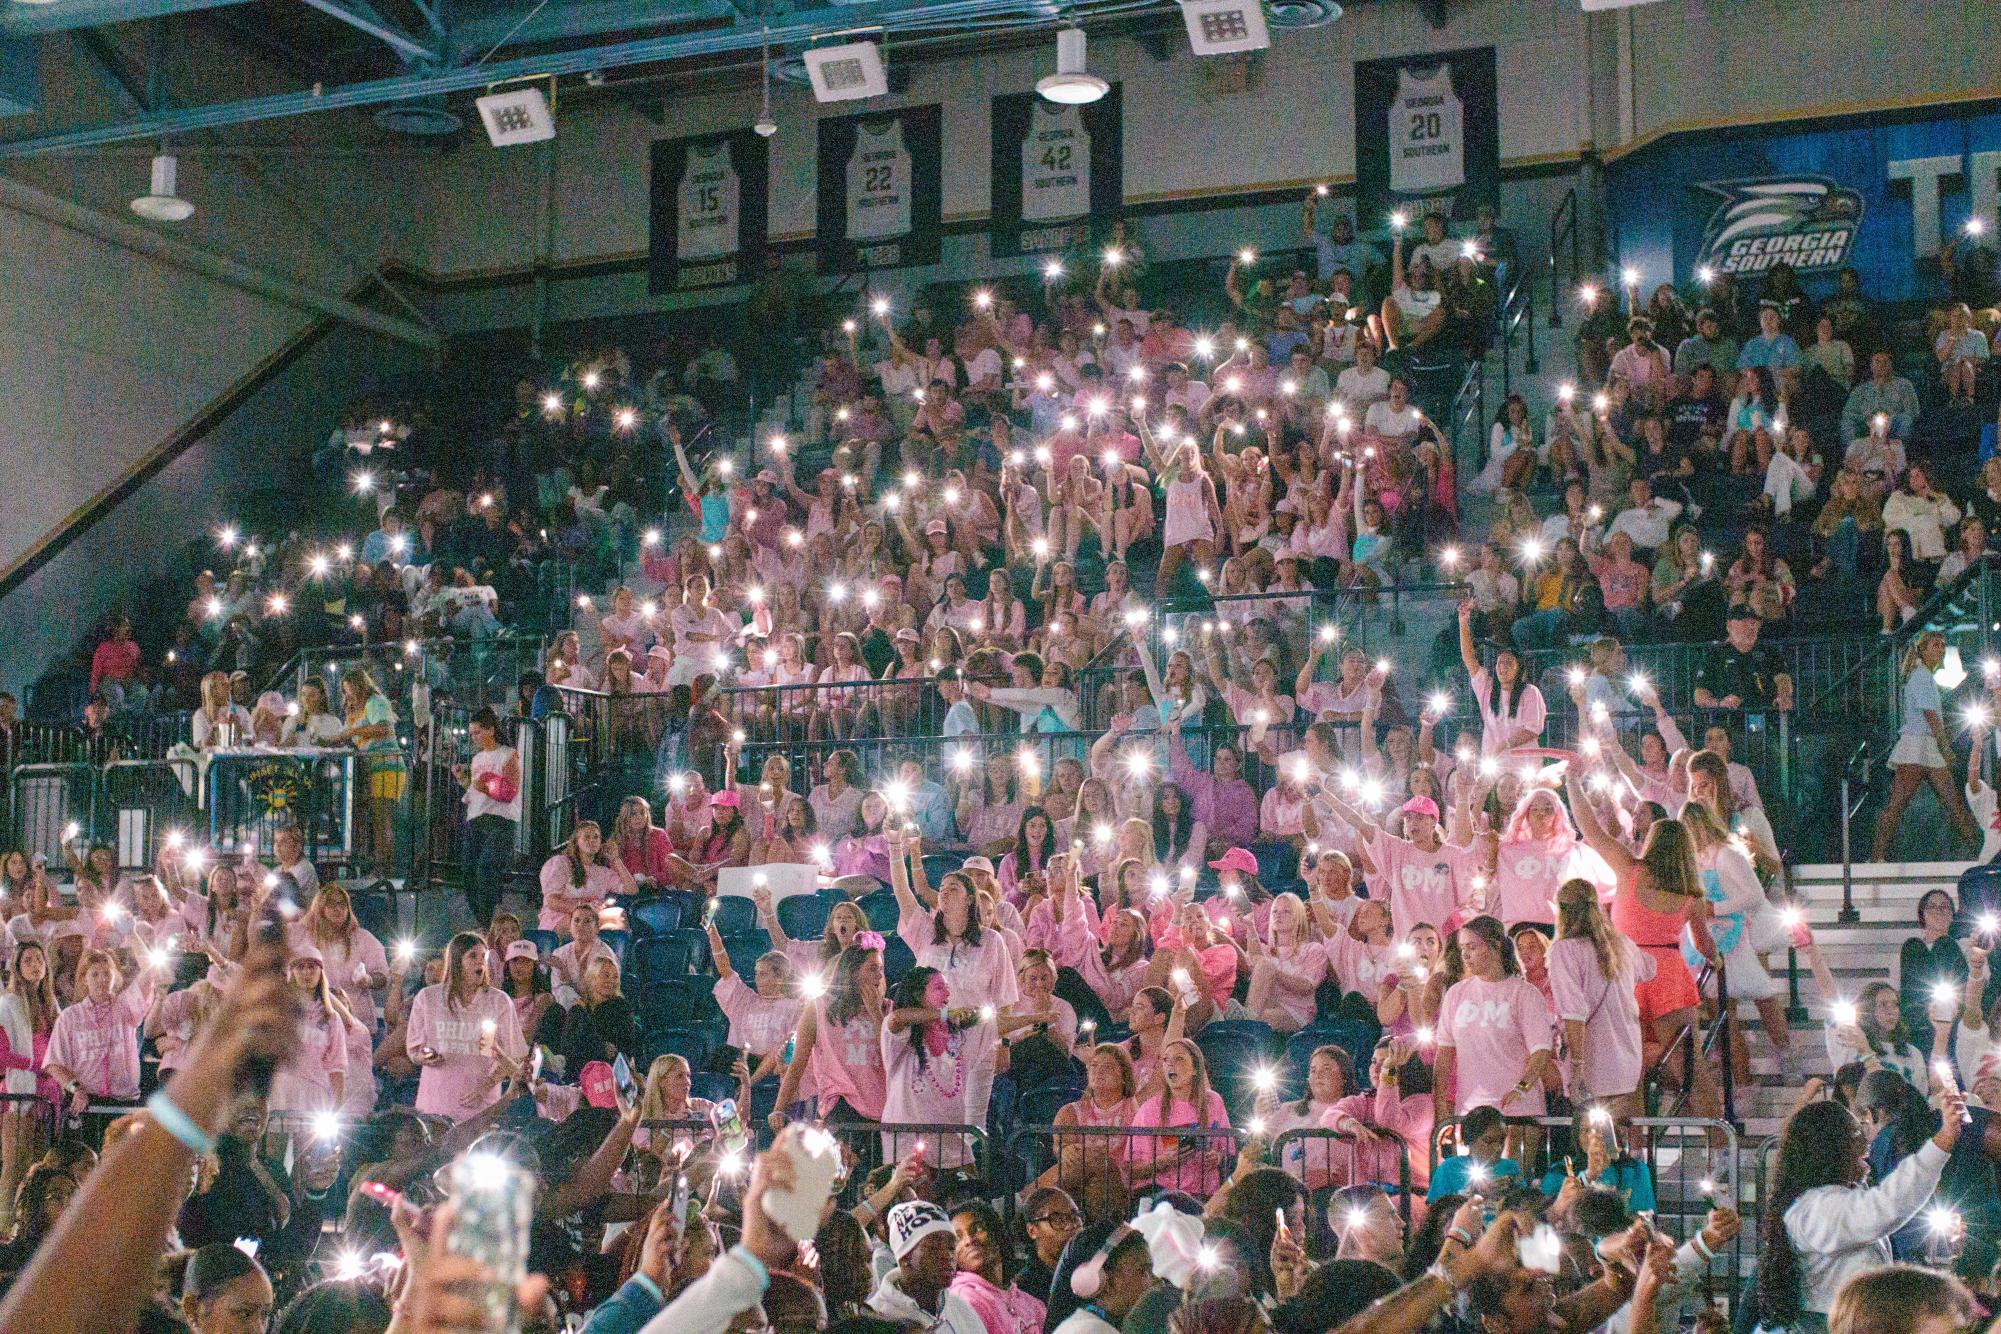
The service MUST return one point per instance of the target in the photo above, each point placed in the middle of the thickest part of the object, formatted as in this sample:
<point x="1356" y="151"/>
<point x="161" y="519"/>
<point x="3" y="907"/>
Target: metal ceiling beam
<point x="17" y="20"/>
<point x="359" y="15"/>
<point x="523" y="26"/>
<point x="800" y="26"/>
<point x="122" y="75"/>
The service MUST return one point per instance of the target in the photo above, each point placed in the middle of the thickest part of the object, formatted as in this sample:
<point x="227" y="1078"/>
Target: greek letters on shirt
<point x="1483" y="1014"/>
<point x="456" y="1036"/>
<point x="857" y="1040"/>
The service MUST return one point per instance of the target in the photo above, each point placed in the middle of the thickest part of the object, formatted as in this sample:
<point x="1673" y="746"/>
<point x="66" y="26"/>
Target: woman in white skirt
<point x="1923" y="745"/>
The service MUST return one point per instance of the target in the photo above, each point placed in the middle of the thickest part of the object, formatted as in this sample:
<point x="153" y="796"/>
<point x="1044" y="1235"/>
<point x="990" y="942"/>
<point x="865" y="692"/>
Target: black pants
<point x="488" y="858"/>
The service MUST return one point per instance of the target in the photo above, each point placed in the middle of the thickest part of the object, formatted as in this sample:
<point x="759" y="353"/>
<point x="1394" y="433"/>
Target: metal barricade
<point x="1311" y="1155"/>
<point x="249" y="796"/>
<point x="1102" y="1165"/>
<point x="47" y="800"/>
<point x="144" y="801"/>
<point x="1690" y="1165"/>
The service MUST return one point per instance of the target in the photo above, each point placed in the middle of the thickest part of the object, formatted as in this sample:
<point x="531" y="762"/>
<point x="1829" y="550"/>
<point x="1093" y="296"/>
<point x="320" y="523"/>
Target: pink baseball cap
<point x="1419" y="806"/>
<point x="308" y="952"/>
<point x="726" y="797"/>
<point x="1241" y="860"/>
<point x="522" y="949"/>
<point x="600" y="1089"/>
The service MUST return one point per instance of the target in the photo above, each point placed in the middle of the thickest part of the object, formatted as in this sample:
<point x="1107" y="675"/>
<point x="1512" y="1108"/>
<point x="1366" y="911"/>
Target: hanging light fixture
<point x="1072" y="83"/>
<point x="766" y="126"/>
<point x="161" y="204"/>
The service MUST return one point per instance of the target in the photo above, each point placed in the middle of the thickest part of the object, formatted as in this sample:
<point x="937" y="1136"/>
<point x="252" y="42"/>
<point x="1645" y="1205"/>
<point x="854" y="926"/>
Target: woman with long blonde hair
<point x="1592" y="972"/>
<point x="220" y="721"/>
<point x="356" y="963"/>
<point x="371" y="728"/>
<point x="1287" y="966"/>
<point x="1923" y="753"/>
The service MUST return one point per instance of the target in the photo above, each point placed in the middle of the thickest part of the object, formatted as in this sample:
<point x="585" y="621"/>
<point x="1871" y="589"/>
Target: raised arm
<point x="1592" y="830"/>
<point x="1468" y="656"/>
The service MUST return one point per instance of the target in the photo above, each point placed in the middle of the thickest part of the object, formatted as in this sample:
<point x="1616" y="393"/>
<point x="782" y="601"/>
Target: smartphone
<point x="493" y="1213"/>
<point x="535" y="1063"/>
<point x="623" y="1082"/>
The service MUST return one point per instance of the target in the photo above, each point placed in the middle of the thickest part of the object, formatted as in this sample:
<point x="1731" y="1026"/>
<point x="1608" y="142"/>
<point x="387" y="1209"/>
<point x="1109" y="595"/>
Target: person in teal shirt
<point x="1605" y="1164"/>
<point x="1484" y="1132"/>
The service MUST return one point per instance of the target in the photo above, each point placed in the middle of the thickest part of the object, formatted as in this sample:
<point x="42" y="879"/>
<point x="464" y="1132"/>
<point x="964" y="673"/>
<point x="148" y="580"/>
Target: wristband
<point x="1460" y="1235"/>
<point x="1702" y="1247"/>
<point x="177" y="1123"/>
<point x="752" y="1263"/>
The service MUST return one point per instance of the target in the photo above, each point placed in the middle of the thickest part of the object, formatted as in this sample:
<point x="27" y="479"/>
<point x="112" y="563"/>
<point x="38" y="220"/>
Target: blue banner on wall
<point x="1880" y="193"/>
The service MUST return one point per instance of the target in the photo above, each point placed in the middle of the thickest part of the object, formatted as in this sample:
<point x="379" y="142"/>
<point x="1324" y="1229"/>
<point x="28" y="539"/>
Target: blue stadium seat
<point x="545" y="941"/>
<point x="657" y="959"/>
<point x="746" y="948"/>
<point x="618" y="942"/>
<point x="664" y="1002"/>
<point x="763" y="1102"/>
<point x="711" y="1086"/>
<point x="879" y="906"/>
<point x="1038" y="1106"/>
<point x="896" y="960"/>
<point x="1234" y="1050"/>
<point x="734" y="915"/>
<point x="804" y="916"/>
<point x="655" y="916"/>
<point x="691" y="1044"/>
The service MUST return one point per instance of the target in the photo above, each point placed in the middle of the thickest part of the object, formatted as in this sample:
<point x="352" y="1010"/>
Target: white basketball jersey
<point x="1055" y="165"/>
<point x="879" y="183"/>
<point x="710" y="203"/>
<point x="1427" y="134"/>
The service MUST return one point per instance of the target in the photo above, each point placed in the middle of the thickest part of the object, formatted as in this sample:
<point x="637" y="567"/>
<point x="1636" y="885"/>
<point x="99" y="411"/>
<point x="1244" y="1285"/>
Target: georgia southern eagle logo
<point x="1806" y="221"/>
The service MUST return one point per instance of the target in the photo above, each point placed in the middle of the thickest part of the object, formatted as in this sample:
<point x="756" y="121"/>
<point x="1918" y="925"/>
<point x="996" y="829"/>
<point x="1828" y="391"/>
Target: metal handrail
<point x="1562" y="223"/>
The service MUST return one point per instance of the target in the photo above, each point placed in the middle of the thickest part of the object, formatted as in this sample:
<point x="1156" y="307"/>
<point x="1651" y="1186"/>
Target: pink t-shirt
<point x="1297" y="971"/>
<point x="846" y="1063"/>
<point x="952" y="1089"/>
<point x="304" y="1083"/>
<point x="99" y="1044"/>
<point x="461" y="1084"/>
<point x="1499" y="720"/>
<point x="1526" y="876"/>
<point x="1424" y="888"/>
<point x="1359" y="966"/>
<point x="981" y="974"/>
<point x="1609" y="1063"/>
<point x="1158" y="1158"/>
<point x="1494" y="1027"/>
<point x="1006" y="1310"/>
<point x="341" y="957"/>
<point x="600" y="883"/>
<point x="757" y="1024"/>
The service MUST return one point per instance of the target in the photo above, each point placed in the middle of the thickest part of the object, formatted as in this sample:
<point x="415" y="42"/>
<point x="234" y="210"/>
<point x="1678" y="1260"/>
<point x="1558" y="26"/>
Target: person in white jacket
<point x="1822" y="1226"/>
<point x="918" y="1290"/>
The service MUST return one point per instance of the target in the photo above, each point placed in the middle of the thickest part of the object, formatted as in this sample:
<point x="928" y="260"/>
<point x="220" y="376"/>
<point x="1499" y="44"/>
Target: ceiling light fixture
<point x="1071" y="84"/>
<point x="161" y="204"/>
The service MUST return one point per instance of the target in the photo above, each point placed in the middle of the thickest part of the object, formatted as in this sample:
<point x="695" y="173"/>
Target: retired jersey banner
<point x="879" y="190"/>
<point x="1427" y="135"/>
<point x="1054" y="167"/>
<point x="709" y="202"/>
<point x="1879" y="193"/>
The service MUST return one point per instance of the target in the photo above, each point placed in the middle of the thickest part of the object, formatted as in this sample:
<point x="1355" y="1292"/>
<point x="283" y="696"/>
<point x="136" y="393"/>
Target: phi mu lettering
<point x="1484" y="1014"/>
<point x="455" y="1035"/>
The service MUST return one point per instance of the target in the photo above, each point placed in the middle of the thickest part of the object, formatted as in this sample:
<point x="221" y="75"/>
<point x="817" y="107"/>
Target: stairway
<point x="1886" y="898"/>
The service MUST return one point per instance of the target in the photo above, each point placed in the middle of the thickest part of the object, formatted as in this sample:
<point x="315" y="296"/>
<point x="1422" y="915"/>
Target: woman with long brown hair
<point x="463" y="1035"/>
<point x="1659" y="895"/>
